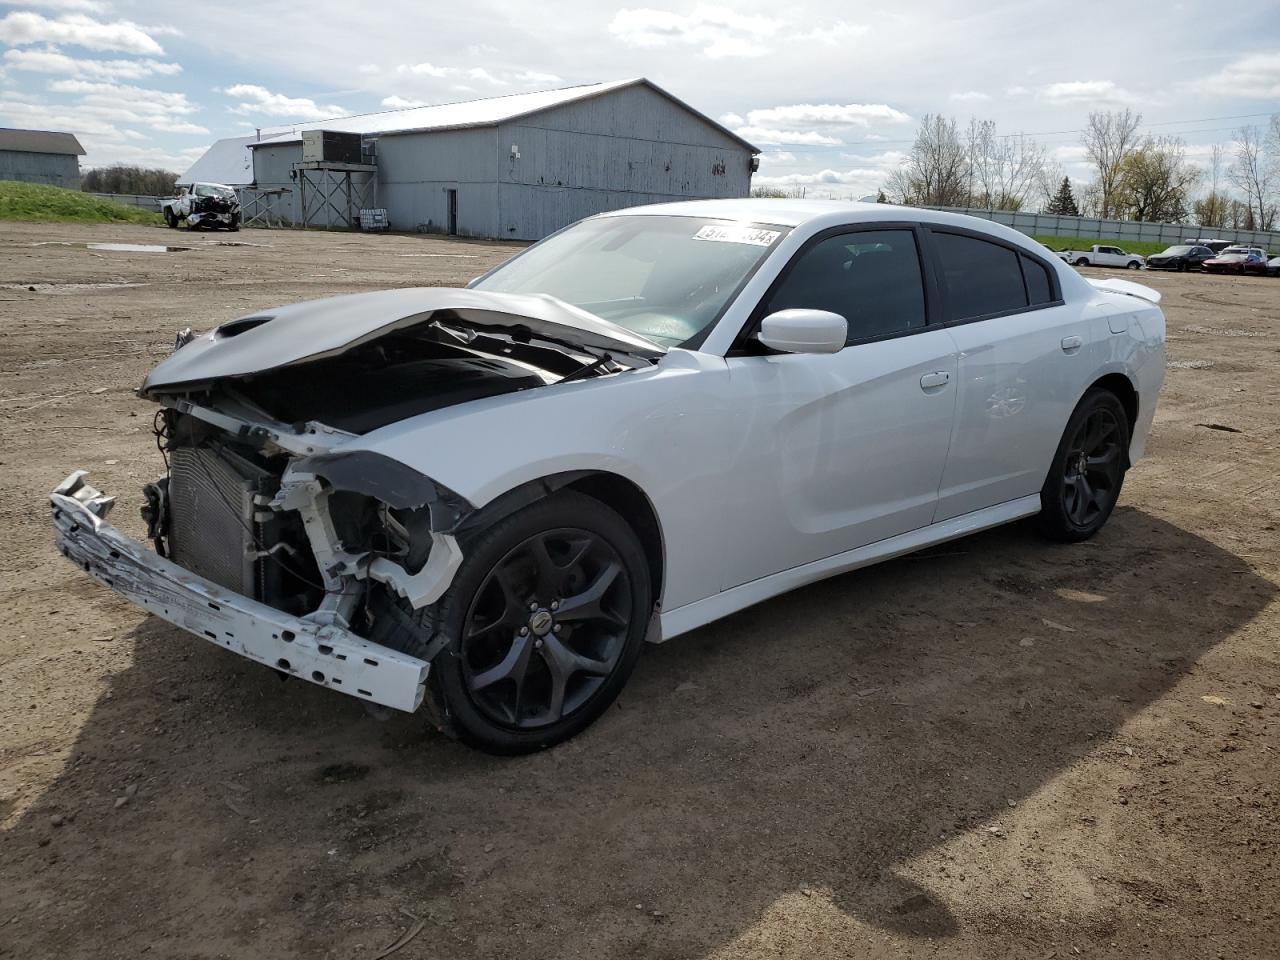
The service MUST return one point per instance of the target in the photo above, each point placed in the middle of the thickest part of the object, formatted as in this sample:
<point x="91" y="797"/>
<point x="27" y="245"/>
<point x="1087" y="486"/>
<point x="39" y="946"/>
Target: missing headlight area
<point x="339" y="540"/>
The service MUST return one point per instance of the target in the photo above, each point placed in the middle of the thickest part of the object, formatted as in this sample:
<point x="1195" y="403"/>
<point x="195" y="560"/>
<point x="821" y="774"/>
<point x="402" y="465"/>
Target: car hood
<point x="315" y="329"/>
<point x="1229" y="258"/>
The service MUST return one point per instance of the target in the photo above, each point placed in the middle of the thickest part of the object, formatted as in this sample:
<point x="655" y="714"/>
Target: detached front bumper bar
<point x="326" y="655"/>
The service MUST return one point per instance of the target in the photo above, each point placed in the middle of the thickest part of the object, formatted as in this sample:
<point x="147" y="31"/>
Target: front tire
<point x="1134" y="265"/>
<point x="1088" y="469"/>
<point x="170" y="219"/>
<point x="544" y="621"/>
<point x="1082" y="262"/>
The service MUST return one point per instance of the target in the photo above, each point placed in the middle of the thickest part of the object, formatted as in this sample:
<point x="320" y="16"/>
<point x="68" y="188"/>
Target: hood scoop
<point x="316" y="329"/>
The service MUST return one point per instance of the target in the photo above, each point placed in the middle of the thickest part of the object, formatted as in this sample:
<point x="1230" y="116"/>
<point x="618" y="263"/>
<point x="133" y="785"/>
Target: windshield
<point x="665" y="278"/>
<point x="213" y="190"/>
<point x="1234" y="252"/>
<point x="1176" y="252"/>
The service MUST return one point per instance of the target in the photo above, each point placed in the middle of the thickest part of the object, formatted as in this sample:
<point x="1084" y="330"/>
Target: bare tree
<point x="1254" y="173"/>
<point x="936" y="171"/>
<point x="1005" y="171"/>
<point x="1156" y="181"/>
<point x="1109" y="138"/>
<point x="1213" y="209"/>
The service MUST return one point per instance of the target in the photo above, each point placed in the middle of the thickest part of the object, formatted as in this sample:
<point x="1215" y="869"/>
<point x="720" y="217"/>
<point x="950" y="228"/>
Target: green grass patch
<point x="1143" y="248"/>
<point x="37" y="201"/>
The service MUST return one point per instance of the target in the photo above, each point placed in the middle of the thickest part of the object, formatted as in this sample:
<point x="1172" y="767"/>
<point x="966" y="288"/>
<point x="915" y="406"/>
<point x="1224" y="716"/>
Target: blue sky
<point x="830" y="91"/>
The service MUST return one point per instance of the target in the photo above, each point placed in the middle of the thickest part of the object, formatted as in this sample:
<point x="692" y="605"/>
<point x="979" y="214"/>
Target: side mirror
<point x="804" y="331"/>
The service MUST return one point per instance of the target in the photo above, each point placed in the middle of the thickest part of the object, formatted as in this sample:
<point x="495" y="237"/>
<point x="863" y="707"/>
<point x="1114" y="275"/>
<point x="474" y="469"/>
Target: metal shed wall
<point x="55" y="169"/>
<point x="621" y="149"/>
<point x="271" y="168"/>
<point x="416" y="171"/>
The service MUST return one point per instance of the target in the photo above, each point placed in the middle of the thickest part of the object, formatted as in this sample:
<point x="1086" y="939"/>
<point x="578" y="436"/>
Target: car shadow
<point x="818" y="746"/>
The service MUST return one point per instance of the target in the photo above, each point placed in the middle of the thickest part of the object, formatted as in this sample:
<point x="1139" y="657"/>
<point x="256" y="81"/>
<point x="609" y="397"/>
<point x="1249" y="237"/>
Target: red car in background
<point x="1240" y="260"/>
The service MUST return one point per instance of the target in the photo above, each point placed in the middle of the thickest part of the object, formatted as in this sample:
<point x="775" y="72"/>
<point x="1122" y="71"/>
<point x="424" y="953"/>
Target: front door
<point x="452" y="196"/>
<point x="840" y="450"/>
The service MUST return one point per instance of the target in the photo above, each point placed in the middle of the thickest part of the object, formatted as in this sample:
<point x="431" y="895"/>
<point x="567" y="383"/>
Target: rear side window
<point x="1039" y="286"/>
<point x="871" y="278"/>
<point x="981" y="278"/>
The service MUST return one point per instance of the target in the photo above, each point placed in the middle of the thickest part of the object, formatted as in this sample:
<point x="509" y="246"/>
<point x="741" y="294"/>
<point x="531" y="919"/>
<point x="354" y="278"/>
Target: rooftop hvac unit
<point x="330" y="146"/>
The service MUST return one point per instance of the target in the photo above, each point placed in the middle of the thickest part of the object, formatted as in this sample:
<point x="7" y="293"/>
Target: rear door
<point x="840" y="450"/>
<point x="1025" y="357"/>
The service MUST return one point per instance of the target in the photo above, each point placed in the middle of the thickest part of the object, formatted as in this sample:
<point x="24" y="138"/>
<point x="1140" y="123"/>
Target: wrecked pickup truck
<point x="203" y="205"/>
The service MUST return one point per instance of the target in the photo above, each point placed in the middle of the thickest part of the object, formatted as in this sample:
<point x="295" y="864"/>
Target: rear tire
<point x="1087" y="470"/>
<point x="544" y="622"/>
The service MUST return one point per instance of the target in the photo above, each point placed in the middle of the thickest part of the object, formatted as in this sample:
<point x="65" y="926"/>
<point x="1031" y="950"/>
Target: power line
<point x="1047" y="133"/>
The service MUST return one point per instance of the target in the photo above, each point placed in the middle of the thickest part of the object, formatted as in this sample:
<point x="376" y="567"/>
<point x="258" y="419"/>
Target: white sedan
<point x="484" y="501"/>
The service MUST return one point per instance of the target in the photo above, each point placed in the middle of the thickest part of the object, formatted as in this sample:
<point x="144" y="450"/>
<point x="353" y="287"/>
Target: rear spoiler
<point x="1128" y="288"/>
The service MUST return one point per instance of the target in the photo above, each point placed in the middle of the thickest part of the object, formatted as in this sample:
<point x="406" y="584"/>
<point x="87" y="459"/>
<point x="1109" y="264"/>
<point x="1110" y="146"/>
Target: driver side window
<point x="871" y="278"/>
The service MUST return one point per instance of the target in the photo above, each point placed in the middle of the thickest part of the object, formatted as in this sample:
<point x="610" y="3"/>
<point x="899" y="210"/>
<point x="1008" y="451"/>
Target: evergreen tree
<point x="1064" y="201"/>
<point x="881" y="198"/>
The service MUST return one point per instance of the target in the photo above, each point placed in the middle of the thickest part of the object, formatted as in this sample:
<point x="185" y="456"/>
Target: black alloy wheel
<point x="1088" y="469"/>
<point x="543" y="623"/>
<point x="546" y="627"/>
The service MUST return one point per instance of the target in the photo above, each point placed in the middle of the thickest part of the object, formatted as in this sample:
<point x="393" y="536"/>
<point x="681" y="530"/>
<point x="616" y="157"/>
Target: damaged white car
<point x="484" y="501"/>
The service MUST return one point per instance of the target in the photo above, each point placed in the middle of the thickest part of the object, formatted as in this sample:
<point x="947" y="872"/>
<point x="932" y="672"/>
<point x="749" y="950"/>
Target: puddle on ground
<point x="69" y="287"/>
<point x="115" y="247"/>
<point x="135" y="247"/>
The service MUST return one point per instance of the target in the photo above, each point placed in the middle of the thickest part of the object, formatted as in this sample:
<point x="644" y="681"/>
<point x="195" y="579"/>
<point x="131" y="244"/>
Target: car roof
<point x="821" y="213"/>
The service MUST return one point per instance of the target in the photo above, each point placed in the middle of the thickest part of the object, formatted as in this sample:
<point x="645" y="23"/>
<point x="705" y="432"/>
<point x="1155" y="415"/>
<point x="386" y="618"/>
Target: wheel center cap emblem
<point x="540" y="622"/>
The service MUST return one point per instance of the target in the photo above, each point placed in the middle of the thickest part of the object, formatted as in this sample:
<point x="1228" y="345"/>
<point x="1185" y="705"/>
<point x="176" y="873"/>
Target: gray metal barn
<point x="518" y="167"/>
<point x="40" y="156"/>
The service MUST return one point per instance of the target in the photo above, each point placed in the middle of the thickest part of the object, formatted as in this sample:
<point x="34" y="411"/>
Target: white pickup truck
<point x="203" y="205"/>
<point x="1102" y="256"/>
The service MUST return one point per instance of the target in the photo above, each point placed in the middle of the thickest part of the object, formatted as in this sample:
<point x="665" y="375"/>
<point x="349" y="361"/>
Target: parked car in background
<point x="1102" y="256"/>
<point x="1182" y="258"/>
<point x="1239" y="260"/>
<point x="1273" y="267"/>
<point x="491" y="498"/>
<point x="1217" y="246"/>
<point x="203" y="205"/>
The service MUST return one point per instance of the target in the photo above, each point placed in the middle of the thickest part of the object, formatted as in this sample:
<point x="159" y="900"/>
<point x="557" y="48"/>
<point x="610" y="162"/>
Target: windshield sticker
<point x="732" y="233"/>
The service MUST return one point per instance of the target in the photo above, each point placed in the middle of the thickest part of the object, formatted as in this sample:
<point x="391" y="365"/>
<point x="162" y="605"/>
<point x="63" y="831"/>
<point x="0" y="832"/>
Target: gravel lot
<point x="1000" y="748"/>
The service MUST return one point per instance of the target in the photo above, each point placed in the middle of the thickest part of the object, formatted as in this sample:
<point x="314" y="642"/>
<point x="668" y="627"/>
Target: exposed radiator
<point x="211" y="515"/>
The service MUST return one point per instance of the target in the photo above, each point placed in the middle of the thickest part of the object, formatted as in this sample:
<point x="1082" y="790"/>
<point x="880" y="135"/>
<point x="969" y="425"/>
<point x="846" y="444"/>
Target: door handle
<point x="1071" y="344"/>
<point x="932" y="381"/>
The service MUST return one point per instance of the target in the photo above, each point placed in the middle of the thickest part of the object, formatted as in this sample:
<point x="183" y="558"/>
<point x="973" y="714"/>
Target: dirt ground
<point x="1000" y="748"/>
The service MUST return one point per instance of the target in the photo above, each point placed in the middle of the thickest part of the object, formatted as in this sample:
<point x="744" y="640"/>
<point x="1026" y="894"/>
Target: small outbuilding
<point x="40" y="156"/>
<point x="518" y="167"/>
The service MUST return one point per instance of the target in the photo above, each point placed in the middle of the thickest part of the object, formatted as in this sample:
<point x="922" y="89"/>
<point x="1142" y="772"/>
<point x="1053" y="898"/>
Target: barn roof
<point x="479" y="113"/>
<point x="227" y="161"/>
<point x="40" y="141"/>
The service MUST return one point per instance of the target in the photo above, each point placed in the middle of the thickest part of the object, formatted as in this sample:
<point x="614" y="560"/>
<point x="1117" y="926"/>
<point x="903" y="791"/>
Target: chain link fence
<point x="1051" y="225"/>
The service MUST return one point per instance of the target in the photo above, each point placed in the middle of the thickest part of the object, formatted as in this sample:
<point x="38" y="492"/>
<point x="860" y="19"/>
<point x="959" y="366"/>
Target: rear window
<point x="1039" y="284"/>
<point x="981" y="278"/>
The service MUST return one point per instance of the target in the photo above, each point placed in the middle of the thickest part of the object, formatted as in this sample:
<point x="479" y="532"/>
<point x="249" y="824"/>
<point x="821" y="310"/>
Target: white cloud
<point x="1255" y="76"/>
<point x="1017" y="90"/>
<point x="51" y="60"/>
<point x="826" y="114"/>
<point x="368" y="68"/>
<point x="535" y="78"/>
<point x="103" y="104"/>
<point x="256" y="100"/>
<point x="480" y="73"/>
<point x="830" y="34"/>
<point x="719" y="31"/>
<point x="969" y="96"/>
<point x="776" y="157"/>
<point x="1073" y="92"/>
<point x="23" y="27"/>
<point x="81" y="6"/>
<point x="764" y="136"/>
<point x="425" y="70"/>
<point x="400" y="103"/>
